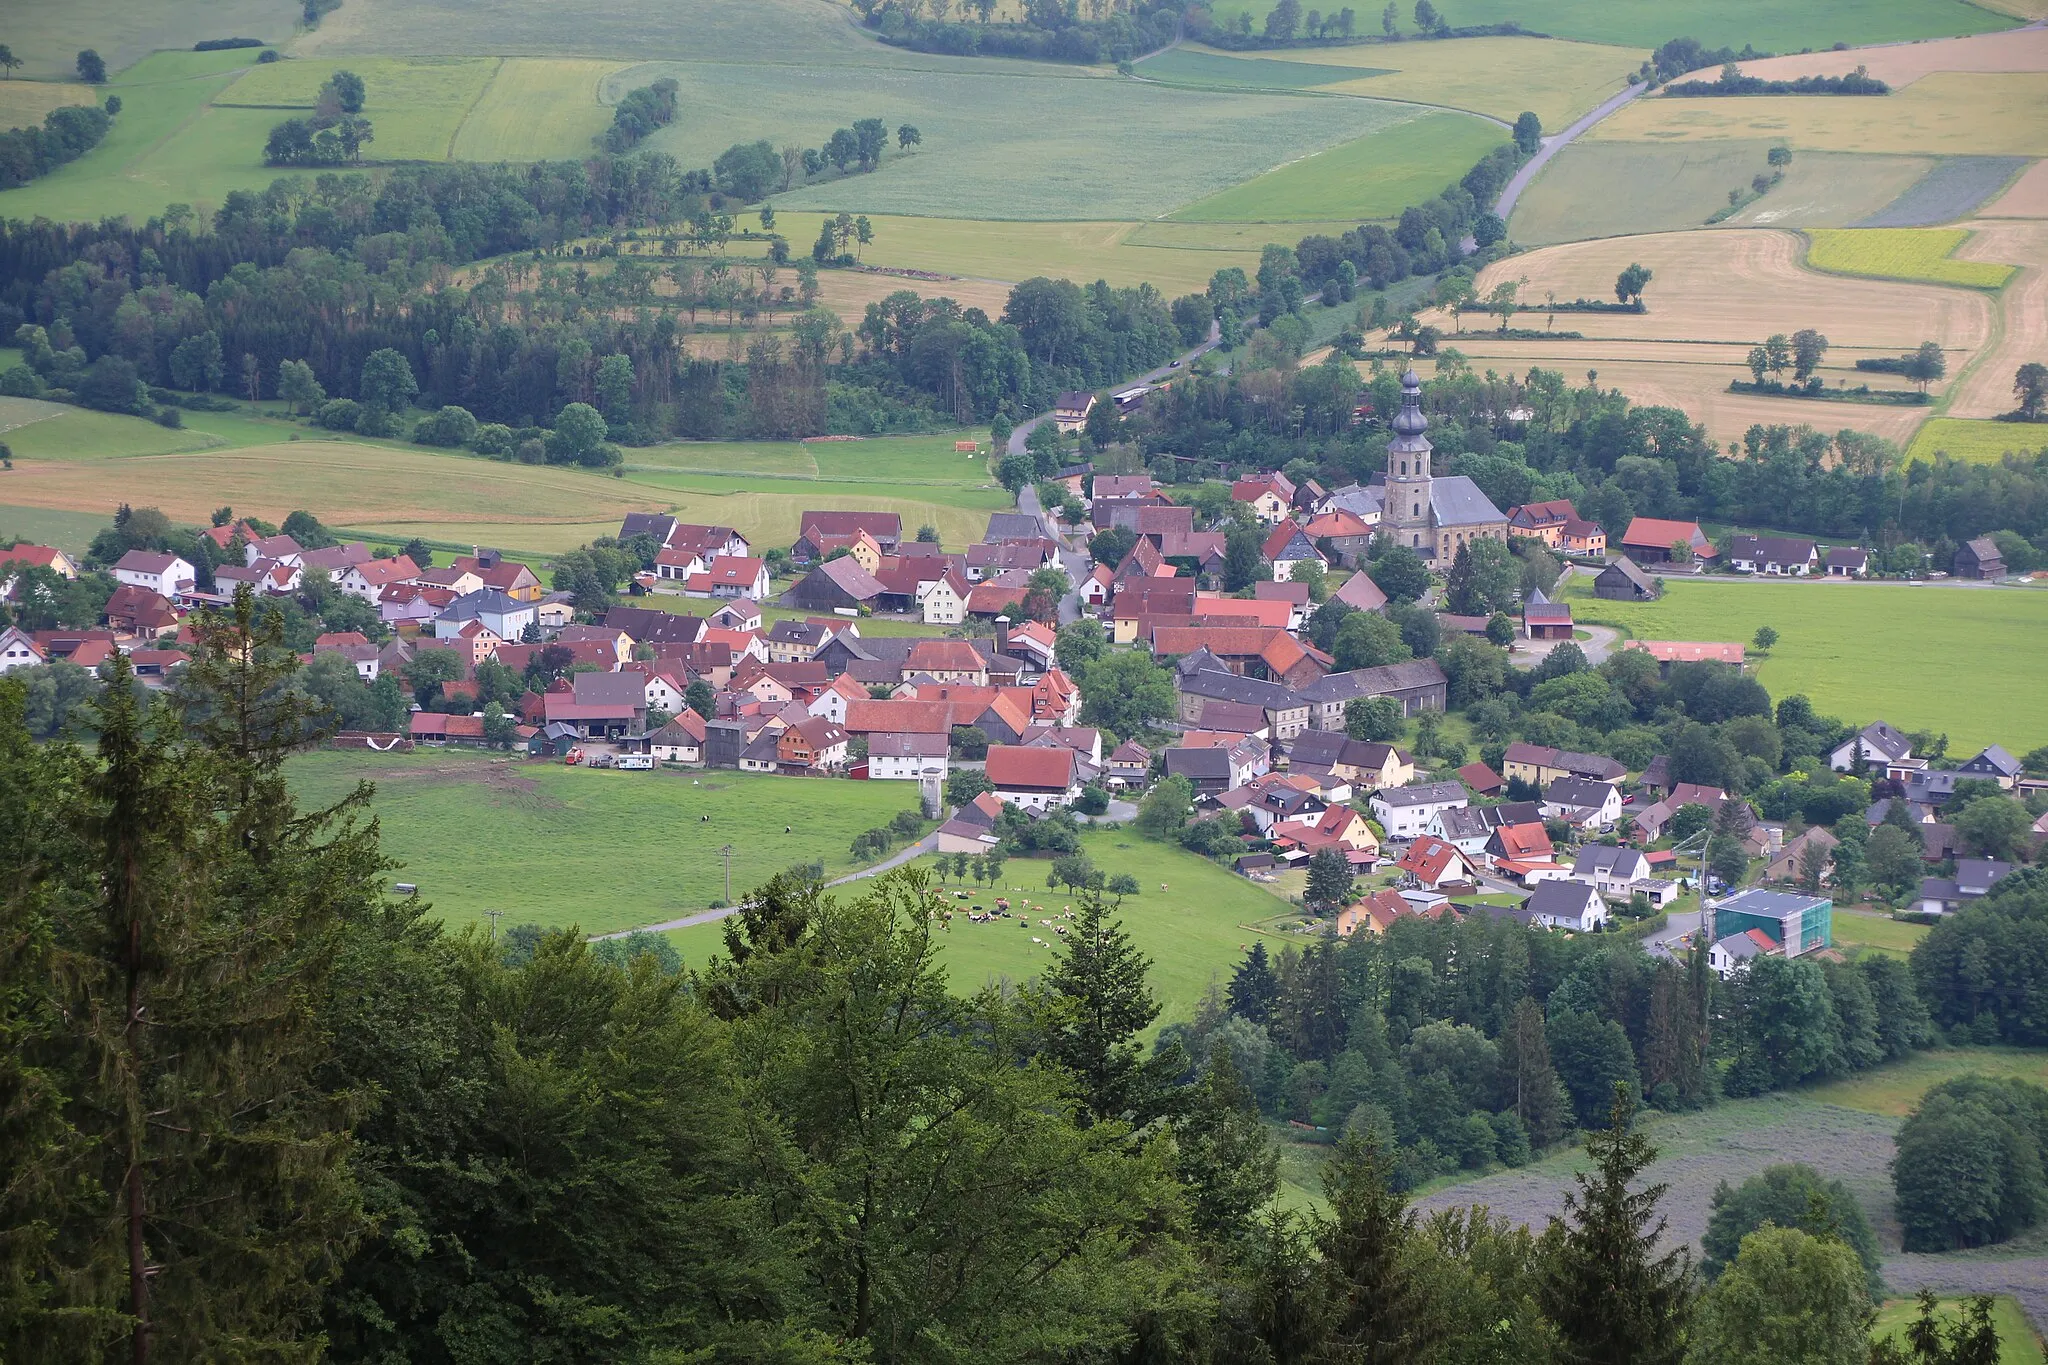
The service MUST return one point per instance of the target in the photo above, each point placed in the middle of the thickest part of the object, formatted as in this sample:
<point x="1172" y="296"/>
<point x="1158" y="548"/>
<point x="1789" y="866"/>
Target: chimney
<point x="1002" y="635"/>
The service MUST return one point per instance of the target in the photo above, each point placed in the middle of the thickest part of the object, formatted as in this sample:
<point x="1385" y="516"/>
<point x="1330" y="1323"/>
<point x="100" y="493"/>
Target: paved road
<point x="928" y="844"/>
<point x="1024" y="429"/>
<point x="1555" y="144"/>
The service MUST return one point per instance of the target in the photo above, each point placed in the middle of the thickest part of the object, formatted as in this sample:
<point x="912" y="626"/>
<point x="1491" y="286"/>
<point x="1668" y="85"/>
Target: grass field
<point x="1923" y="254"/>
<point x="1557" y="81"/>
<point x="415" y="103"/>
<point x="1359" y="179"/>
<point x="47" y="36"/>
<point x="1965" y="661"/>
<point x="602" y="850"/>
<point x="1617" y="189"/>
<point x="1894" y="1089"/>
<point x="1875" y="932"/>
<point x="1984" y="114"/>
<point x="535" y="108"/>
<point x="1978" y="442"/>
<point x="23" y="103"/>
<point x="2017" y="1342"/>
<point x="1194" y="932"/>
<point x="71" y="532"/>
<point x="1717" y="23"/>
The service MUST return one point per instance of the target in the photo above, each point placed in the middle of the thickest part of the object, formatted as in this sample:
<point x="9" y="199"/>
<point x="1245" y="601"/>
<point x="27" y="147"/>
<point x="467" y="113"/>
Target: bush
<point x="1093" y="800"/>
<point x="339" y="414"/>
<point x="224" y="44"/>
<point x="495" y="440"/>
<point x="21" y="382"/>
<point x="169" y="417"/>
<point x="111" y="385"/>
<point x="451" y="427"/>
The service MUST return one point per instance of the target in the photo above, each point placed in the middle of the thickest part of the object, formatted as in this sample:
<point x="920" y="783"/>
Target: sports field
<point x="1716" y="23"/>
<point x="1978" y="442"/>
<point x="1962" y="113"/>
<point x="1619" y="189"/>
<point x="1923" y="254"/>
<point x="602" y="850"/>
<point x="1373" y="177"/>
<point x="1965" y="661"/>
<point x="1557" y="81"/>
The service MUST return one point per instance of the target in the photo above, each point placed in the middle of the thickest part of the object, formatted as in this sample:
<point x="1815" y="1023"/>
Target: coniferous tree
<point x="1103" y="1003"/>
<point x="1227" y="1164"/>
<point x="1253" y="987"/>
<point x="1539" y="1098"/>
<point x="1613" y="1299"/>
<point x="1378" y="1303"/>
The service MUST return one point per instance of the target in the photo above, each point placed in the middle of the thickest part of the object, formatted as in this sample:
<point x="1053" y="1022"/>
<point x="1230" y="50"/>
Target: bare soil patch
<point x="2027" y="198"/>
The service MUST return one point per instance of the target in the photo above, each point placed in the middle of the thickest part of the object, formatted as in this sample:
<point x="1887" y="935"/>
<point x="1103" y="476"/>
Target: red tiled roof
<point x="1687" y="651"/>
<point x="914" y="717"/>
<point x="1336" y="523"/>
<point x="943" y="656"/>
<point x="1654" y="533"/>
<point x="1015" y="768"/>
<point x="1429" y="858"/>
<point x="1222" y="641"/>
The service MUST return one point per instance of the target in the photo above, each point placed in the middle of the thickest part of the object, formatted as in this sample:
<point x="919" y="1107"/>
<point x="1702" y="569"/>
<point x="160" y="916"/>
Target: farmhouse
<point x="1980" y="558"/>
<point x="1418" y="684"/>
<point x="1669" y="652"/>
<point x="731" y="576"/>
<point x="601" y="705"/>
<point x="1539" y="765"/>
<point x="1803" y="924"/>
<point x="161" y="573"/>
<point x="1774" y="556"/>
<point x="906" y="757"/>
<point x="973" y="827"/>
<point x="1622" y="581"/>
<point x="1269" y="495"/>
<point x="818" y="533"/>
<point x="838" y="585"/>
<point x="1432" y="516"/>
<point x="1070" y="410"/>
<point x="1649" y="540"/>
<point x="679" y="741"/>
<point x="1215" y="769"/>
<point x="1033" y="778"/>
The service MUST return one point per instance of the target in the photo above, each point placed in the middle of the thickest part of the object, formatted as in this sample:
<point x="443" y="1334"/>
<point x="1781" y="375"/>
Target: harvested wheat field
<point x="1740" y="286"/>
<point x="2027" y="197"/>
<point x="1694" y="377"/>
<point x="2023" y="306"/>
<point x="849" y="292"/>
<point x="1903" y="63"/>
<point x="1943" y="113"/>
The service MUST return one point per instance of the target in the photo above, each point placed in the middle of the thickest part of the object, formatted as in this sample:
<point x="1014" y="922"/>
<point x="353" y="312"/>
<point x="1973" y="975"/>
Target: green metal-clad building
<point x="1801" y="923"/>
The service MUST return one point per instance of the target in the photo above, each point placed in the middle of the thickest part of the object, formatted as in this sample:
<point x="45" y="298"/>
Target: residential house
<point x="1876" y="743"/>
<point x="1788" y="864"/>
<point x="1802" y="924"/>
<point x="18" y="649"/>
<point x="1973" y="880"/>
<point x="1295" y="595"/>
<point x="1215" y="769"/>
<point x="372" y="578"/>
<point x="162" y="573"/>
<point x="1587" y="539"/>
<point x="1374" y="913"/>
<point x="1369" y="765"/>
<point x="1034" y="778"/>
<point x="1587" y="805"/>
<point x="503" y="616"/>
<point x="791" y="642"/>
<point x="731" y="576"/>
<point x="1622" y="581"/>
<point x="1270" y="495"/>
<point x="1472" y="827"/>
<point x="1980" y="558"/>
<point x="1524" y="852"/>
<point x="835" y="697"/>
<point x="281" y="548"/>
<point x="944" y="602"/>
<point x="665" y="692"/>
<point x="811" y="746"/>
<point x="461" y="582"/>
<point x="1254" y="651"/>
<point x="1563" y="904"/>
<point x="899" y="716"/>
<point x="133" y="610"/>
<point x="1070" y="410"/>
<point x="1772" y="556"/>
<point x="1735" y="952"/>
<point x="1483" y="780"/>
<point x="1361" y="593"/>
<point x="1994" y="764"/>
<point x="1343" y="534"/>
<point x="1432" y="862"/>
<point x="37" y="557"/>
<point x="1847" y="561"/>
<point x="1652" y="820"/>
<point x="1613" y="872"/>
<point x="1649" y="540"/>
<point x="1544" y="521"/>
<point x="907" y="757"/>
<point x="1130" y="765"/>
<point x="614" y="646"/>
<point x="947" y="661"/>
<point x="335" y="558"/>
<point x="1287" y="547"/>
<point x="1405" y="812"/>
<point x="679" y="741"/>
<point x="1539" y="765"/>
<point x="508" y="576"/>
<point x="815" y="529"/>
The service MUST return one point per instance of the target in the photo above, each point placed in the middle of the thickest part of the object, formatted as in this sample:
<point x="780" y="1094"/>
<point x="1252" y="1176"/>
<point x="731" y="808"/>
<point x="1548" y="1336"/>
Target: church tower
<point x="1408" y="516"/>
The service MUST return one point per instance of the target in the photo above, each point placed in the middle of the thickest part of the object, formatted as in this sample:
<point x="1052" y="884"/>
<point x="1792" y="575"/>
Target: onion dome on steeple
<point x="1409" y="423"/>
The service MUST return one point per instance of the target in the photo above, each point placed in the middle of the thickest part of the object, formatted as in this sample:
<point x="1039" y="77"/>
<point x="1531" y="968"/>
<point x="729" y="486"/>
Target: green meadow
<point x="1965" y="661"/>
<point x="1372" y="177"/>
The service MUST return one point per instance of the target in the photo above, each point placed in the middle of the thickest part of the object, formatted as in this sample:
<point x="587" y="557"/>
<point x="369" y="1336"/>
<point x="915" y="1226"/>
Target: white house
<point x="906" y="757"/>
<point x="1876" y="742"/>
<point x="1034" y="779"/>
<point x="1776" y="556"/>
<point x="665" y="693"/>
<point x="159" y="572"/>
<point x="1588" y="805"/>
<point x="942" y="601"/>
<point x="1566" y="904"/>
<point x="503" y="615"/>
<point x="679" y="741"/>
<point x="1737" y="951"/>
<point x="1288" y="547"/>
<point x="369" y="579"/>
<point x="17" y="650"/>
<point x="1612" y="871"/>
<point x="1405" y="812"/>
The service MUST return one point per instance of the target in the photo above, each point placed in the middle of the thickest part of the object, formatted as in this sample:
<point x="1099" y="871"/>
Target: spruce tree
<point x="1538" y="1095"/>
<point x="1102" y="1004"/>
<point x="1253" y="987"/>
<point x="1379" y="1307"/>
<point x="1613" y="1300"/>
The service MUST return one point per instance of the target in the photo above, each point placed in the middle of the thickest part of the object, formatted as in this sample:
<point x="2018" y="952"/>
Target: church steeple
<point x="1408" y="511"/>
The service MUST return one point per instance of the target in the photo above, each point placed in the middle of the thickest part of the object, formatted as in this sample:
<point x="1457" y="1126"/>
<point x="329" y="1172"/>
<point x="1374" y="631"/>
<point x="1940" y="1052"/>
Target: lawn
<point x="1557" y="81"/>
<point x="1878" y="932"/>
<point x="1979" y="442"/>
<point x="1717" y="23"/>
<point x="601" y="850"/>
<point x="1922" y="254"/>
<point x="1372" y="177"/>
<point x="1967" y="113"/>
<point x="2017" y="1342"/>
<point x="1964" y="661"/>
<point x="71" y="532"/>
<point x="1618" y="189"/>
<point x="536" y="108"/>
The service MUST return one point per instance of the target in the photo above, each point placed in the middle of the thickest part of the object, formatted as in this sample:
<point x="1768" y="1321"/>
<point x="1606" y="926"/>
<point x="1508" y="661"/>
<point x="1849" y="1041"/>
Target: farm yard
<point x="599" y="850"/>
<point x="1963" y="661"/>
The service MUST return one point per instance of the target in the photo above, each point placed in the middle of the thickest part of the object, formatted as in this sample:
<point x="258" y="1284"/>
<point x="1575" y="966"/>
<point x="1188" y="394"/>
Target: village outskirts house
<point x="1622" y="581"/>
<point x="1034" y="778"/>
<point x="1798" y="924"/>
<point x="1587" y="805"/>
<point x="906" y="756"/>
<point x="1979" y="558"/>
<point x="1847" y="561"/>
<point x="1070" y="410"/>
<point x="1405" y="812"/>
<point x="1289" y="547"/>
<point x="1432" y="863"/>
<point x="1772" y="556"/>
<point x="158" y="572"/>
<point x="18" y="649"/>
<point x="679" y="741"/>
<point x="1877" y="743"/>
<point x="1563" y="904"/>
<point x="1651" y="540"/>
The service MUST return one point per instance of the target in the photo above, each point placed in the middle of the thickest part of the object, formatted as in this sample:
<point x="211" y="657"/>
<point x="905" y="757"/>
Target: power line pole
<point x="727" y="852"/>
<point x="492" y="916"/>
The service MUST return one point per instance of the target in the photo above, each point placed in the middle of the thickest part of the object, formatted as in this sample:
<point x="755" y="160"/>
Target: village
<point x="891" y="658"/>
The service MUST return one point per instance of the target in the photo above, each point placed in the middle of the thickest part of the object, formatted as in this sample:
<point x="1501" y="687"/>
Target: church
<point x="1431" y="516"/>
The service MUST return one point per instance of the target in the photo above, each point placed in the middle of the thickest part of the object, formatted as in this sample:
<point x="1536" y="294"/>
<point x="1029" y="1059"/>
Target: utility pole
<point x="727" y="852"/>
<point x="493" y="916"/>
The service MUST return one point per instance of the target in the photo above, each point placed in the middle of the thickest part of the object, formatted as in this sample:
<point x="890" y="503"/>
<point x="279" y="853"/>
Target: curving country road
<point x="1505" y="205"/>
<point x="1024" y="429"/>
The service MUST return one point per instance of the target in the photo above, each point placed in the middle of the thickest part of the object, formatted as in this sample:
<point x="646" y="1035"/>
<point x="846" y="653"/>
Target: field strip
<point x="39" y="417"/>
<point x="1205" y="88"/>
<point x="2020" y="321"/>
<point x="1907" y="255"/>
<point x="448" y="152"/>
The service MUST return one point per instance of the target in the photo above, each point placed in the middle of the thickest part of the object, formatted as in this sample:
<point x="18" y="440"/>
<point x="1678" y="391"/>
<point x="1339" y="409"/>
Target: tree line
<point x="334" y="135"/>
<point x="65" y="135"/>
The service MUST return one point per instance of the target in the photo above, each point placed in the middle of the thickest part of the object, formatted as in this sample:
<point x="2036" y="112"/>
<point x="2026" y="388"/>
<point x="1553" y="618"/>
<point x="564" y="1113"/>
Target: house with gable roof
<point x="1287" y="547"/>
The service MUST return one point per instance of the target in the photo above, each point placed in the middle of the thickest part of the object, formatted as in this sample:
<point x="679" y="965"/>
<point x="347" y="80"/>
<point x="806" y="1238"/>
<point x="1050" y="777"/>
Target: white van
<point x="639" y="763"/>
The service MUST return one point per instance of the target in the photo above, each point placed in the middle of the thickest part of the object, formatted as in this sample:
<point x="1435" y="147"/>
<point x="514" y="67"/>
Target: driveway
<point x="1600" y="643"/>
